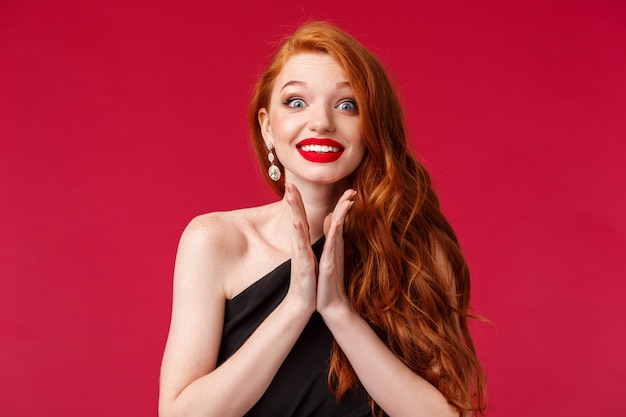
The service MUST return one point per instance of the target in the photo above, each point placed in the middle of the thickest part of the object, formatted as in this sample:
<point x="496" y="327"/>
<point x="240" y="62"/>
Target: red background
<point x="120" y="121"/>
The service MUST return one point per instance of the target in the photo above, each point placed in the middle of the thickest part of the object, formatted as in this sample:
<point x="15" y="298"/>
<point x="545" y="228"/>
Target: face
<point x="313" y="121"/>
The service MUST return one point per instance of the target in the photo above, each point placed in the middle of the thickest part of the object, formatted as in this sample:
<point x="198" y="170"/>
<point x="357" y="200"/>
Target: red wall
<point x="120" y="121"/>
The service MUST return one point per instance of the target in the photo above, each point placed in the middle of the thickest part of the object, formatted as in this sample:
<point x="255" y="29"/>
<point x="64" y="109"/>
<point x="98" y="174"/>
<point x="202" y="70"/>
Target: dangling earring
<point x="273" y="170"/>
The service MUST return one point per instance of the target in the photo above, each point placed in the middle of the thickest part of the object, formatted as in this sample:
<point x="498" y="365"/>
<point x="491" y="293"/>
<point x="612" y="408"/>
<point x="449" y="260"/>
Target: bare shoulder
<point x="218" y="233"/>
<point x="224" y="247"/>
<point x="216" y="238"/>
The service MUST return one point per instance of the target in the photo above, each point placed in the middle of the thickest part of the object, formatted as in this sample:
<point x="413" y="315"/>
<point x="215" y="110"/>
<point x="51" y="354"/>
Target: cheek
<point x="283" y="129"/>
<point x="358" y="138"/>
<point x="361" y="154"/>
<point x="362" y="150"/>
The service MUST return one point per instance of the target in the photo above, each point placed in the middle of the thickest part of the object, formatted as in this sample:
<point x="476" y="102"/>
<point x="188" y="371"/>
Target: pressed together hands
<point x="396" y="388"/>
<point x="318" y="287"/>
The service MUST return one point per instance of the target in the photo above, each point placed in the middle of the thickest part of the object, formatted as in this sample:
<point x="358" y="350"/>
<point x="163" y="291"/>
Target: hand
<point x="303" y="286"/>
<point x="331" y="291"/>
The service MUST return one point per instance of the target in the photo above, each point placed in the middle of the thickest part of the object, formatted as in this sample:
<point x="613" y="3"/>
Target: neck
<point x="319" y="200"/>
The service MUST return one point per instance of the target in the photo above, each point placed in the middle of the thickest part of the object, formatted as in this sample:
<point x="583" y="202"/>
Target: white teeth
<point x="319" y="148"/>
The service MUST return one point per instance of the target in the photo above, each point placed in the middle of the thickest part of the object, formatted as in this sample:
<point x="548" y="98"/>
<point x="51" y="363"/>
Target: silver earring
<point x="273" y="170"/>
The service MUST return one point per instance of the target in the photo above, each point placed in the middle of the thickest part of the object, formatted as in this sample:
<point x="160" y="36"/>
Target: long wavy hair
<point x="405" y="273"/>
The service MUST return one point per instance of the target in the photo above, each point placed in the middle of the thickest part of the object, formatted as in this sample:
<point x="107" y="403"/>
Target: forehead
<point x="310" y="65"/>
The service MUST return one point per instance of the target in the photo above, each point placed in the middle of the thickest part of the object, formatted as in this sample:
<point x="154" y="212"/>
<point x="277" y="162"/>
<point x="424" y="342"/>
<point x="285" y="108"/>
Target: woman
<point x="347" y="297"/>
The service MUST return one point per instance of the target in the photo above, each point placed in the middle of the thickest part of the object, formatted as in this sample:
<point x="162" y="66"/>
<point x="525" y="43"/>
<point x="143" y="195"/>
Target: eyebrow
<point x="341" y="84"/>
<point x="298" y="83"/>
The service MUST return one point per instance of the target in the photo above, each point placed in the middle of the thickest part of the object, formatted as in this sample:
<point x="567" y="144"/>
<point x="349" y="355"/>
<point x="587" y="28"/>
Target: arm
<point x="395" y="387"/>
<point x="191" y="385"/>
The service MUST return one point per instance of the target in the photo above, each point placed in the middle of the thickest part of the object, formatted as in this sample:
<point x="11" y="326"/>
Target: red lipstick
<point x="321" y="150"/>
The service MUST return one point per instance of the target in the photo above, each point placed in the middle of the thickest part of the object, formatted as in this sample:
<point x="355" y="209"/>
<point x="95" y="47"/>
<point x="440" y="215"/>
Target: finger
<point x="303" y="259"/>
<point x="341" y="210"/>
<point x="294" y="200"/>
<point x="347" y="195"/>
<point x="327" y="220"/>
<point x="334" y="227"/>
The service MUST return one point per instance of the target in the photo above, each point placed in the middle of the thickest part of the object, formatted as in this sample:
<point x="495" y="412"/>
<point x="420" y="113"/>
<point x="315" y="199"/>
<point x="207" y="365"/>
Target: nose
<point x="321" y="120"/>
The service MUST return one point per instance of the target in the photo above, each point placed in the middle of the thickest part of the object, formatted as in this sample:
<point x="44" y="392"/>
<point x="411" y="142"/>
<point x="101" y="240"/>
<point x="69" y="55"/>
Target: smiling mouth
<point x="320" y="148"/>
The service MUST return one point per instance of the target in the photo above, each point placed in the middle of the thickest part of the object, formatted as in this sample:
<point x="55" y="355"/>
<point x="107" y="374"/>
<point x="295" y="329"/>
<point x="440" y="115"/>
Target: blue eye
<point x="294" y="102"/>
<point x="348" y="105"/>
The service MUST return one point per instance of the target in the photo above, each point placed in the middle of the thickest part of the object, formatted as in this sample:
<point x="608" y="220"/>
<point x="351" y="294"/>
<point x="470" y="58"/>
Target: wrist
<point x="338" y="314"/>
<point x="298" y="307"/>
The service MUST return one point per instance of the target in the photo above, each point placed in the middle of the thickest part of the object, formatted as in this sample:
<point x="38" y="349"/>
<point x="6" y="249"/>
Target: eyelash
<point x="291" y="100"/>
<point x="352" y="103"/>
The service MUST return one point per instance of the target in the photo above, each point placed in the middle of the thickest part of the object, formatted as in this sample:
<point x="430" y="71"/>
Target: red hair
<point x="405" y="273"/>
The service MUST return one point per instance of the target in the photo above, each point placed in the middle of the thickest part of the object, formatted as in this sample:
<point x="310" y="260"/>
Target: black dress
<point x="300" y="387"/>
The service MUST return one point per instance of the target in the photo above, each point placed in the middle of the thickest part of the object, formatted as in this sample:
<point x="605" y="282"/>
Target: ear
<point x="266" y="128"/>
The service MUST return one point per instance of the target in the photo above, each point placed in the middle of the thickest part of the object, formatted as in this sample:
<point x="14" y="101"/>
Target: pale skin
<point x="221" y="254"/>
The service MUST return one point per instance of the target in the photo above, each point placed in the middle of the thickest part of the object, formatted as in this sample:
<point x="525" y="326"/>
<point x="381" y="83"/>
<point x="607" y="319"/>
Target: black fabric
<point x="299" y="388"/>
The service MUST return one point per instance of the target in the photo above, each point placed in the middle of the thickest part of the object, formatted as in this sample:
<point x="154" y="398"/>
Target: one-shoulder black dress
<point x="300" y="387"/>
